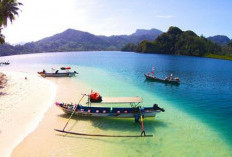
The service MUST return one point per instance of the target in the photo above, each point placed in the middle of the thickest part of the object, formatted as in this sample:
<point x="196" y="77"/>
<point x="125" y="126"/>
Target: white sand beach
<point x="44" y="141"/>
<point x="23" y="102"/>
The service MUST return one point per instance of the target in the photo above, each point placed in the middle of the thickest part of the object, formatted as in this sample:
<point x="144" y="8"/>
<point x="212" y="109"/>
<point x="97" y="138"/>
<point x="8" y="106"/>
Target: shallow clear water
<point x="198" y="111"/>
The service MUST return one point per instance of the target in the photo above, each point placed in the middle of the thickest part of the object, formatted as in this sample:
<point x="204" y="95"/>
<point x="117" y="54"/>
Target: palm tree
<point x="8" y="10"/>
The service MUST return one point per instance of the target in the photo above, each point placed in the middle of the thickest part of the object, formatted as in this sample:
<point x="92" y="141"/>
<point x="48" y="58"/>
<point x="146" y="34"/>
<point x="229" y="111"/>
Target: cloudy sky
<point x="42" y="18"/>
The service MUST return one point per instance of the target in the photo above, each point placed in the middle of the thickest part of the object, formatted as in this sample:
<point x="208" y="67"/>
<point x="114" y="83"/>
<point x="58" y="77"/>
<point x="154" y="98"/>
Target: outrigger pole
<point x="73" y="112"/>
<point x="99" y="135"/>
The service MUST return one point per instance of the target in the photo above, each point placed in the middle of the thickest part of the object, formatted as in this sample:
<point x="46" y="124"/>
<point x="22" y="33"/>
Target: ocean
<point x="197" y="120"/>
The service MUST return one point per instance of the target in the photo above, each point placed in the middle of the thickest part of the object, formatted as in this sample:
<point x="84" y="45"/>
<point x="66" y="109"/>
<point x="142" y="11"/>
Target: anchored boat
<point x="135" y="111"/>
<point x="115" y="112"/>
<point x="166" y="80"/>
<point x="151" y="77"/>
<point x="67" y="73"/>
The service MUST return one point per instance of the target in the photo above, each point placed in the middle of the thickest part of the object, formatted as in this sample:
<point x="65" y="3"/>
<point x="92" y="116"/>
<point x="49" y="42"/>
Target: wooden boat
<point x="135" y="111"/>
<point x="166" y="80"/>
<point x="116" y="112"/>
<point x="63" y="74"/>
<point x="67" y="73"/>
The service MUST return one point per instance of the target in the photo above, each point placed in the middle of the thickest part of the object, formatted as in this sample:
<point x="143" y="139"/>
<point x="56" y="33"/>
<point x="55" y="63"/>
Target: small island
<point x="178" y="42"/>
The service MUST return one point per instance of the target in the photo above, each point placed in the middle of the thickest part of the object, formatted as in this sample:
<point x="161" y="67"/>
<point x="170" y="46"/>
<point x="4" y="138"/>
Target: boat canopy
<point x="120" y="100"/>
<point x="65" y="68"/>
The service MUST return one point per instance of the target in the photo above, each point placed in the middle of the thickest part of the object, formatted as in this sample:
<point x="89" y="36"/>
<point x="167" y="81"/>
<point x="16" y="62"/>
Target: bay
<point x="198" y="110"/>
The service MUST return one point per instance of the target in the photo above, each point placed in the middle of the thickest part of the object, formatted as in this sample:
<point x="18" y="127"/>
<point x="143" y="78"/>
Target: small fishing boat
<point x="166" y="80"/>
<point x="67" y="73"/>
<point x="151" y="77"/>
<point x="5" y="63"/>
<point x="135" y="111"/>
<point x="116" y="112"/>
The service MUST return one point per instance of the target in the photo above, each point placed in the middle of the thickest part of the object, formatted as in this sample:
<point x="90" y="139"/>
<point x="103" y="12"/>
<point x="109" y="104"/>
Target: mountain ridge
<point x="76" y="40"/>
<point x="220" y="39"/>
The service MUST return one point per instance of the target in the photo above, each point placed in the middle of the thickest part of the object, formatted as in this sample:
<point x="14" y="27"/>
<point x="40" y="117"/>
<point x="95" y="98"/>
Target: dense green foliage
<point x="129" y="47"/>
<point x="178" y="42"/>
<point x="230" y="43"/>
<point x="8" y="10"/>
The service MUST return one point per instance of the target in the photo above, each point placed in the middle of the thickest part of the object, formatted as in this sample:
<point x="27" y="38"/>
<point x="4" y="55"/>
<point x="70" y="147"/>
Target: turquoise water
<point x="198" y="113"/>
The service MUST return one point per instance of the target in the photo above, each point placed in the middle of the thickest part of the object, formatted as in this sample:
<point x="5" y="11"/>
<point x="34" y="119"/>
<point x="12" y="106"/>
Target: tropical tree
<point x="8" y="10"/>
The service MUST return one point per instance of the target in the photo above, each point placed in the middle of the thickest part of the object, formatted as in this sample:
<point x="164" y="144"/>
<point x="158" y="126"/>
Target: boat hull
<point x="155" y="79"/>
<point x="112" y="115"/>
<point x="109" y="112"/>
<point x="70" y="74"/>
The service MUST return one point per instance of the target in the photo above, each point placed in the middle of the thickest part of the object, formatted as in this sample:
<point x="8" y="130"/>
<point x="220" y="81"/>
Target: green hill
<point x="220" y="39"/>
<point x="176" y="42"/>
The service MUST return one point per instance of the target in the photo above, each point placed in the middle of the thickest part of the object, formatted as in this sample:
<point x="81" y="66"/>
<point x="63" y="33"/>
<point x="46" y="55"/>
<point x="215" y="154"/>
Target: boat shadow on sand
<point x="118" y="124"/>
<point x="112" y="126"/>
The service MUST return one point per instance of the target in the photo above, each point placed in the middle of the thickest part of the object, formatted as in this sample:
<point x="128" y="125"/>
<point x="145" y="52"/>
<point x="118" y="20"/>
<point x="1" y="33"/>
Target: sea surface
<point x="198" y="116"/>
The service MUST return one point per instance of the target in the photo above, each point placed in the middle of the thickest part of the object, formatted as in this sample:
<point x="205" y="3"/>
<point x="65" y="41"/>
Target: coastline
<point x="176" y="133"/>
<point x="208" y="55"/>
<point x="44" y="135"/>
<point x="25" y="100"/>
<point x="222" y="57"/>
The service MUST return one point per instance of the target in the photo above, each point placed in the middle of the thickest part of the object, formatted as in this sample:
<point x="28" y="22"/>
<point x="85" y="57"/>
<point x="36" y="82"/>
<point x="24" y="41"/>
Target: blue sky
<point x="43" y="18"/>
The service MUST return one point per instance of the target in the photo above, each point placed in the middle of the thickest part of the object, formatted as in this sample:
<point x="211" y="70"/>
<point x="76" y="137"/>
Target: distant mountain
<point x="75" y="40"/>
<point x="69" y="40"/>
<point x="140" y="32"/>
<point x="7" y="49"/>
<point x="118" y="41"/>
<point x="220" y="39"/>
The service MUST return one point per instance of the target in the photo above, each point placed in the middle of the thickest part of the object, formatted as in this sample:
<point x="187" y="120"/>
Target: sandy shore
<point x="44" y="141"/>
<point x="24" y="100"/>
